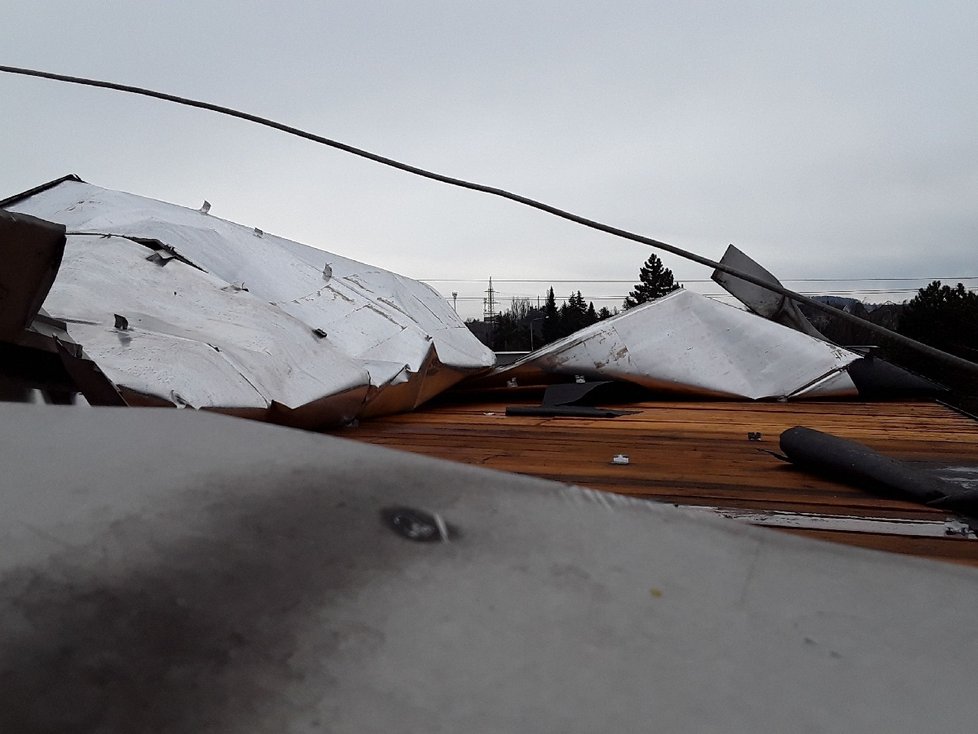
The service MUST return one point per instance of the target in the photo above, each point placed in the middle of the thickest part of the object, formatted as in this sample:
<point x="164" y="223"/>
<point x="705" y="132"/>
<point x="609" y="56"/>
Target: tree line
<point x="945" y="317"/>
<point x="523" y="327"/>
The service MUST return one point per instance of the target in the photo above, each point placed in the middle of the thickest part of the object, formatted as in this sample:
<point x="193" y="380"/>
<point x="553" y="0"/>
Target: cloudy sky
<point x="833" y="140"/>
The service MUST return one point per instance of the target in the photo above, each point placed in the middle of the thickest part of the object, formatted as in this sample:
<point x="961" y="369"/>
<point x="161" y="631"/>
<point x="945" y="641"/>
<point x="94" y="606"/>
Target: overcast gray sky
<point x="825" y="139"/>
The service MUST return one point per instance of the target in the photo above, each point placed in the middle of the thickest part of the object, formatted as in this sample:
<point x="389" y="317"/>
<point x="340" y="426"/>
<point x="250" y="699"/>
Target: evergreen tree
<point x="580" y="304"/>
<point x="505" y="334"/>
<point x="551" y="318"/>
<point x="944" y="317"/>
<point x="656" y="281"/>
<point x="573" y="314"/>
<point x="591" y="317"/>
<point x="604" y="313"/>
<point x="567" y="318"/>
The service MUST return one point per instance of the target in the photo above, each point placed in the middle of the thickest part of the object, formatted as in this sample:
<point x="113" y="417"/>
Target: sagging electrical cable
<point x="949" y="359"/>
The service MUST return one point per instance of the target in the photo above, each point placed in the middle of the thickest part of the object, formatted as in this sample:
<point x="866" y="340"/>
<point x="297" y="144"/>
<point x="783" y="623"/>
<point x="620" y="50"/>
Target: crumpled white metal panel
<point x="402" y="331"/>
<point x="189" y="337"/>
<point x="687" y="343"/>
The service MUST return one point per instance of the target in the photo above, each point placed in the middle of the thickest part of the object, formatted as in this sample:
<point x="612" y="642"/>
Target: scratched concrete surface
<point x="171" y="571"/>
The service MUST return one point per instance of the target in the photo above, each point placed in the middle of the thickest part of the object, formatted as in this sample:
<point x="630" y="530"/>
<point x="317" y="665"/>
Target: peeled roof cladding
<point x="191" y="339"/>
<point x="240" y="334"/>
<point x="31" y="249"/>
<point x="687" y="343"/>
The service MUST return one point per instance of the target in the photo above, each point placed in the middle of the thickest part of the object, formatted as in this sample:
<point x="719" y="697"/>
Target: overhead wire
<point x="700" y="280"/>
<point x="951" y="359"/>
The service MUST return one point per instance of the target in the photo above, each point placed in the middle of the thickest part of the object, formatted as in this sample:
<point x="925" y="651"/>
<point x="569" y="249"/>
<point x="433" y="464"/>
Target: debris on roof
<point x="714" y="457"/>
<point x="569" y="399"/>
<point x="872" y="376"/>
<point x="36" y="351"/>
<point x="855" y="463"/>
<point x="31" y="250"/>
<point x="688" y="344"/>
<point x="175" y="306"/>
<point x="179" y="307"/>
<point x="761" y="301"/>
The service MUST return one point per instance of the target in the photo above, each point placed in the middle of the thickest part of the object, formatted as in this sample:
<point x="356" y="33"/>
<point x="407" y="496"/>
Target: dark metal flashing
<point x="89" y="379"/>
<point x="774" y="306"/>
<point x="31" y="250"/>
<point x="569" y="400"/>
<point x="33" y="368"/>
<point x="16" y="198"/>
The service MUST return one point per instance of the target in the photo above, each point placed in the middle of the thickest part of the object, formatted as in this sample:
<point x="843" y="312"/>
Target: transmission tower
<point x="489" y="310"/>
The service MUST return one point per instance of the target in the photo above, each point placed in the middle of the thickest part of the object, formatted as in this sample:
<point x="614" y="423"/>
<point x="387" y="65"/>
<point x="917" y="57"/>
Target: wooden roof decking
<point x="698" y="454"/>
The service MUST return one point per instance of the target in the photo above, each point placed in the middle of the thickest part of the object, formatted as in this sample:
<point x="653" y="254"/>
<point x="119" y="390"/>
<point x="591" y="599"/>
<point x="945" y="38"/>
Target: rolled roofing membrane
<point x="219" y="315"/>
<point x="687" y="343"/>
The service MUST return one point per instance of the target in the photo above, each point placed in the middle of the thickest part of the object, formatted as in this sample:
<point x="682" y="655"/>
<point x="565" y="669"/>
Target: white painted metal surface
<point x="190" y="338"/>
<point x="687" y="343"/>
<point x="173" y="571"/>
<point x="403" y="334"/>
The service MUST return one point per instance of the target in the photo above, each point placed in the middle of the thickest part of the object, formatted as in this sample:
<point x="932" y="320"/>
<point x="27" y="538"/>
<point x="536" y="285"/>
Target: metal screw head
<point x="416" y="525"/>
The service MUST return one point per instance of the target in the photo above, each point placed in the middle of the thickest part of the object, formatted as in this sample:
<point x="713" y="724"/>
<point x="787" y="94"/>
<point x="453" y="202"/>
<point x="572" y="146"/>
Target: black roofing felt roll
<point x="857" y="464"/>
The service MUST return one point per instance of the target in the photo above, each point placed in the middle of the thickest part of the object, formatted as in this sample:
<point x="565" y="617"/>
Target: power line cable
<point x="701" y="280"/>
<point x="951" y="359"/>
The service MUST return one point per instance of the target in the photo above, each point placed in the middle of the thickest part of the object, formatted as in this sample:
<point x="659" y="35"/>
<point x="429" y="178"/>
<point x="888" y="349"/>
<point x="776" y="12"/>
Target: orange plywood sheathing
<point x="699" y="454"/>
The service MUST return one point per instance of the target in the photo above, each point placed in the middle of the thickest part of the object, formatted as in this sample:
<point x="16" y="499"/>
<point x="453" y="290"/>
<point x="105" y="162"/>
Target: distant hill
<point x="846" y="333"/>
<point x="837" y="301"/>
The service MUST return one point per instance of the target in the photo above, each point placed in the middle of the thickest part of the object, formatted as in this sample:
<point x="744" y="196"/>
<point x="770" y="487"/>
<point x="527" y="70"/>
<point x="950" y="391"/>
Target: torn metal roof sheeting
<point x="761" y="301"/>
<point x="687" y="343"/>
<point x="249" y="581"/>
<point x="31" y="251"/>
<point x="36" y="352"/>
<point x="873" y="377"/>
<point x="186" y="337"/>
<point x="258" y="319"/>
